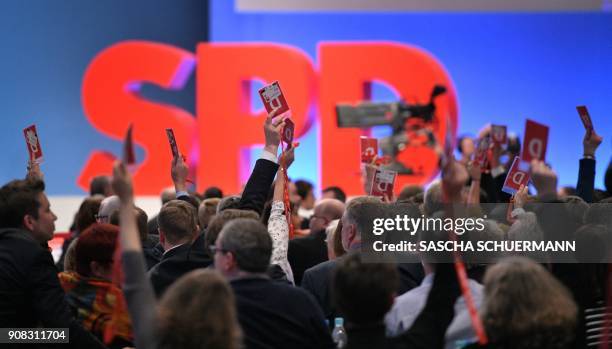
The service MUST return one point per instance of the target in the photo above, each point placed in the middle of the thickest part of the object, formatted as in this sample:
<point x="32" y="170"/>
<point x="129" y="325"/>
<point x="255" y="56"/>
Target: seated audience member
<point x="305" y="190"/>
<point x="408" y="306"/>
<point x="272" y="314"/>
<point x="107" y="207"/>
<point x="207" y="211"/>
<point x="408" y="192"/>
<point x="151" y="247"/>
<point x="85" y="216"/>
<point x="330" y="232"/>
<point x="317" y="280"/>
<point x="178" y="228"/>
<point x="334" y="193"/>
<point x="96" y="302"/>
<point x="31" y="292"/>
<point x="525" y="307"/>
<point x="213" y="193"/>
<point x="100" y="185"/>
<point x="198" y="311"/>
<point x="364" y="293"/>
<point x="165" y="196"/>
<point x="310" y="250"/>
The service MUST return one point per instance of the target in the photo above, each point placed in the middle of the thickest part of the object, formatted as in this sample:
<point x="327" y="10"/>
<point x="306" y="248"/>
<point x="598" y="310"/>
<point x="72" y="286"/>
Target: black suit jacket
<point x="317" y="281"/>
<point x="177" y="262"/>
<point x="278" y="315"/>
<point x="30" y="292"/>
<point x="306" y="252"/>
<point x="256" y="191"/>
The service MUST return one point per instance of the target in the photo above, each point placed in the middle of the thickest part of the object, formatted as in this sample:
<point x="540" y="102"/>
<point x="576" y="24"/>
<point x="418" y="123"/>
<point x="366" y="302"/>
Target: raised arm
<point x="277" y="223"/>
<point x="257" y="188"/>
<point x="586" y="171"/>
<point x="137" y="288"/>
<point x="474" y="193"/>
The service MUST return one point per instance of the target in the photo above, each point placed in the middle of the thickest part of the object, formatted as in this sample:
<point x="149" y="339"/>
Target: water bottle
<point x="339" y="333"/>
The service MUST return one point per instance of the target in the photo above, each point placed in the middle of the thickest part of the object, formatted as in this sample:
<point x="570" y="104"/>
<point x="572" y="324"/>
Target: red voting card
<point x="498" y="134"/>
<point x="172" y="141"/>
<point x="480" y="157"/>
<point x="517" y="176"/>
<point x="534" y="145"/>
<point x="273" y="98"/>
<point x="129" y="158"/>
<point x="369" y="149"/>
<point x="585" y="117"/>
<point x="287" y="132"/>
<point x="33" y="143"/>
<point x="382" y="183"/>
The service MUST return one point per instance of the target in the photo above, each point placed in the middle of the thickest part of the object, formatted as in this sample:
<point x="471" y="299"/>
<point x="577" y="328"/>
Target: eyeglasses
<point x="320" y="217"/>
<point x="101" y="218"/>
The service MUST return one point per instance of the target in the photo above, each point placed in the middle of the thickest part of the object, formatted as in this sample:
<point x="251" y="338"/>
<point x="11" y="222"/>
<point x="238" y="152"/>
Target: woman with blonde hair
<point x="526" y="307"/>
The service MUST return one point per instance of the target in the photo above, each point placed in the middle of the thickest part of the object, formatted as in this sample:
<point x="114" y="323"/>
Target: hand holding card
<point x="33" y="144"/>
<point x="517" y="175"/>
<point x="585" y="117"/>
<point x="369" y="149"/>
<point x="383" y="182"/>
<point x="273" y="98"/>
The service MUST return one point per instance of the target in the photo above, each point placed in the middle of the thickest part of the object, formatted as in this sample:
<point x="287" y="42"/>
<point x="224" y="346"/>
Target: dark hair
<point x="219" y="221"/>
<point x="178" y="220"/>
<point x="141" y="221"/>
<point x="249" y="241"/>
<point x="213" y="192"/>
<point x="409" y="191"/>
<point x="88" y="210"/>
<point x="608" y="178"/>
<point x="460" y="141"/>
<point x="338" y="193"/>
<point x="190" y="199"/>
<point x="98" y="185"/>
<point x="303" y="188"/>
<point x="228" y="202"/>
<point x="19" y="198"/>
<point x="95" y="244"/>
<point x="362" y="291"/>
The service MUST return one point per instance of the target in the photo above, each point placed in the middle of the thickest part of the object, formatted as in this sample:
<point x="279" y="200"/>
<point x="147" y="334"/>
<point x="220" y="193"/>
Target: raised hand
<point x="34" y="171"/>
<point x="544" y="178"/>
<point x="272" y="132"/>
<point x="520" y="198"/>
<point x="122" y="182"/>
<point x="179" y="173"/>
<point x="590" y="143"/>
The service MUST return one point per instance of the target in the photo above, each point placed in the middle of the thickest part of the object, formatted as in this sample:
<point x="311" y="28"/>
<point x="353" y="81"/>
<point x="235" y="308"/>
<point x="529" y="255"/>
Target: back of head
<point x="141" y="221"/>
<point x="100" y="185"/>
<point x="167" y="195"/>
<point x="95" y="244"/>
<point x="364" y="292"/>
<point x="432" y="202"/>
<point x="88" y="210"/>
<point x="355" y="205"/>
<point x="221" y="219"/>
<point x="249" y="241"/>
<point x="409" y="191"/>
<point x="198" y="311"/>
<point x="178" y="221"/>
<point x="303" y="188"/>
<point x="228" y="202"/>
<point x="207" y="210"/>
<point x="19" y="198"/>
<point x="337" y="193"/>
<point x="526" y="307"/>
<point x="213" y="192"/>
<point x="107" y="207"/>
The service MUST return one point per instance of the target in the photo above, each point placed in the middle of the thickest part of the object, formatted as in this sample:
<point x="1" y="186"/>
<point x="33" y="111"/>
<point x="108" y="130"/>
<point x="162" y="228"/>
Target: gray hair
<point x="249" y="241"/>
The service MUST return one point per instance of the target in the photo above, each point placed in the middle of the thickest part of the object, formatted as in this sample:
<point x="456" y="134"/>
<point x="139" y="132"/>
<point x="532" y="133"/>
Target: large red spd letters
<point x="224" y="126"/>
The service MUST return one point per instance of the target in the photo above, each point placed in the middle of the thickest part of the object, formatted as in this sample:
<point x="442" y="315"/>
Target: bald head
<point x="326" y="211"/>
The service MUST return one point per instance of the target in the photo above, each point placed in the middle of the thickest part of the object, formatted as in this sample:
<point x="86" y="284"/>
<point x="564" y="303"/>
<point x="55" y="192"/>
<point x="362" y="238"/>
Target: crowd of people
<point x="237" y="271"/>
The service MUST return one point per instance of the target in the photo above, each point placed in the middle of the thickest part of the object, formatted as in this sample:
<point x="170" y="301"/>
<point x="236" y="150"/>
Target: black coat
<point x="30" y="292"/>
<point x="177" y="262"/>
<point x="306" y="252"/>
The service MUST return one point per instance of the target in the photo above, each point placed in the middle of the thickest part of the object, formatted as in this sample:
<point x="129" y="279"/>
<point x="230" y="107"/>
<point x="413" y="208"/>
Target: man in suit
<point x="272" y="314"/>
<point x="30" y="292"/>
<point x="310" y="250"/>
<point x="183" y="245"/>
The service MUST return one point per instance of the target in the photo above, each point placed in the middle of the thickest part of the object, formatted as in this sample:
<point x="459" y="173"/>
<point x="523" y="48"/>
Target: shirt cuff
<point x="497" y="171"/>
<point x="266" y="155"/>
<point x="181" y="193"/>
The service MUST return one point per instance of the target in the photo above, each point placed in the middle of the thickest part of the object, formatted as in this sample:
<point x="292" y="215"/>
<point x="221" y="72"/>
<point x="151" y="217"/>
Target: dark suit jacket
<point x="306" y="252"/>
<point x="178" y="262"/>
<point x="317" y="281"/>
<point x="30" y="292"/>
<point x="256" y="191"/>
<point x="277" y="315"/>
<point x="586" y="179"/>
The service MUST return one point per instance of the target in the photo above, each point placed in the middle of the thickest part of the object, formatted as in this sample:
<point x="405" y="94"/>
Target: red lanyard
<point x="286" y="190"/>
